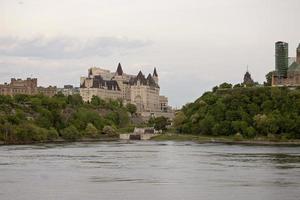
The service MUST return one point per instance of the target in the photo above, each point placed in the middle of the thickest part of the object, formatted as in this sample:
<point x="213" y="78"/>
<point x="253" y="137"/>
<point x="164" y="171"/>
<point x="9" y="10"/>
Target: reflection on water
<point x="149" y="170"/>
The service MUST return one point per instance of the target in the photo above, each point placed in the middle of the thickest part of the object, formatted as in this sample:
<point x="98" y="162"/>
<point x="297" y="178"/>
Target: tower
<point x="247" y="78"/>
<point x="298" y="54"/>
<point x="281" y="58"/>
<point x="119" y="71"/>
<point x="155" y="76"/>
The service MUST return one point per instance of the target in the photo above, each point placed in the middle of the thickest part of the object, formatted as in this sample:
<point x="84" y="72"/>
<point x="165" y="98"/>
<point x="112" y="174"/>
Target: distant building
<point x="28" y="87"/>
<point x="286" y="76"/>
<point x="136" y="89"/>
<point x="247" y="79"/>
<point x="68" y="90"/>
<point x="281" y="58"/>
<point x="291" y="60"/>
<point x="47" y="91"/>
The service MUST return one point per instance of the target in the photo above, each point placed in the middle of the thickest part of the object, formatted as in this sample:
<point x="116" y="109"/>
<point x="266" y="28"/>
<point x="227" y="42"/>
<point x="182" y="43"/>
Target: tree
<point x="225" y="86"/>
<point x="70" y="133"/>
<point x="96" y="101"/>
<point x="269" y="79"/>
<point x="91" y="131"/>
<point x="110" y="131"/>
<point x="179" y="121"/>
<point x="160" y="123"/>
<point x="131" y="108"/>
<point x="52" y="134"/>
<point x="75" y="100"/>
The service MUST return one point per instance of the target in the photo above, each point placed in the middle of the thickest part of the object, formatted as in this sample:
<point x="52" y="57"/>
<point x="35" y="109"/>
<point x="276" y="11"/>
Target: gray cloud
<point x="66" y="47"/>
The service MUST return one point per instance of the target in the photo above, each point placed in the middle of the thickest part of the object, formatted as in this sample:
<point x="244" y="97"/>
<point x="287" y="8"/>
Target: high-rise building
<point x="298" y="54"/>
<point x="281" y="58"/>
<point x="283" y="76"/>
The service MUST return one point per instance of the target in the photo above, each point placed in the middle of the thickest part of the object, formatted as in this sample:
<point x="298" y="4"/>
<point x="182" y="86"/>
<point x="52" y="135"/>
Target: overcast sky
<point x="195" y="44"/>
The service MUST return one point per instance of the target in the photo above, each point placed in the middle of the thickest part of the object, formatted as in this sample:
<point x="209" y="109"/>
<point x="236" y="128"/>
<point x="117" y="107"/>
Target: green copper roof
<point x="294" y="67"/>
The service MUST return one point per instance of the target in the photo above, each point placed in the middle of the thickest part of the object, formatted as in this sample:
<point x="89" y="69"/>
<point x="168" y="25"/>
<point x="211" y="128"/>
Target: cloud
<point x="67" y="47"/>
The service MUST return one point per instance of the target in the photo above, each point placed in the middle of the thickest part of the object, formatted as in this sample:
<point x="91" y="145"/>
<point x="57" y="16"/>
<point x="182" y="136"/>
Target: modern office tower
<point x="281" y="58"/>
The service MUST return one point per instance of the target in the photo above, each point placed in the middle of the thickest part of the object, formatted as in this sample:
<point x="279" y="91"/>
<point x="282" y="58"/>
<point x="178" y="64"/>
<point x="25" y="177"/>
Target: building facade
<point x="138" y="89"/>
<point x="68" y="90"/>
<point x="286" y="76"/>
<point x="27" y="87"/>
<point x="281" y="58"/>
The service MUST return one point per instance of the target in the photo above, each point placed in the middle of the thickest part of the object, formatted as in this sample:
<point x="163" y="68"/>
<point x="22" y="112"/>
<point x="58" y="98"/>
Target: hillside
<point x="246" y="112"/>
<point x="26" y="119"/>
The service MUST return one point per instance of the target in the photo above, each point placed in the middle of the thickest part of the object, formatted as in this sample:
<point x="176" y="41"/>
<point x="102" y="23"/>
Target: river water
<point x="149" y="170"/>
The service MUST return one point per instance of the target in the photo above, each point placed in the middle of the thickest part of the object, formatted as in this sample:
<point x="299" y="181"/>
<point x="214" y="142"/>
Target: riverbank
<point x="58" y="141"/>
<point x="223" y="139"/>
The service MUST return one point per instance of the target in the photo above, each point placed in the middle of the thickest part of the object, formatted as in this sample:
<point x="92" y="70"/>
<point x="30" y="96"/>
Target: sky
<point x="194" y="44"/>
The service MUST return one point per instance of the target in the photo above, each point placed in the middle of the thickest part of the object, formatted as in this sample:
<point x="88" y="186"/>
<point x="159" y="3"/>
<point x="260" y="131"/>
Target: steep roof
<point x="143" y="81"/>
<point x="119" y="70"/>
<point x="294" y="67"/>
<point x="151" y="81"/>
<point x="99" y="82"/>
<point x="155" y="72"/>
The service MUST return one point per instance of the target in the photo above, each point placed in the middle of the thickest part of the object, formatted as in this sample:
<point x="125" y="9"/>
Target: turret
<point x="119" y="71"/>
<point x="155" y="76"/>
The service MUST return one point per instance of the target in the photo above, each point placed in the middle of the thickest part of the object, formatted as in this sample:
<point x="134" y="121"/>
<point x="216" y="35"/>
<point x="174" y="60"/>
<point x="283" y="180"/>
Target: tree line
<point x="25" y="119"/>
<point x="246" y="111"/>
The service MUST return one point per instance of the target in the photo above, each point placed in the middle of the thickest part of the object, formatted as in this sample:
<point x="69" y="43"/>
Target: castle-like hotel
<point x="142" y="91"/>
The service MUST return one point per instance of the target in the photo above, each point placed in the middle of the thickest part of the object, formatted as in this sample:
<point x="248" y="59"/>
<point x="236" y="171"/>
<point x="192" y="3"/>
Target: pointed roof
<point x="119" y="70"/>
<point x="294" y="67"/>
<point x="143" y="81"/>
<point x="155" y="72"/>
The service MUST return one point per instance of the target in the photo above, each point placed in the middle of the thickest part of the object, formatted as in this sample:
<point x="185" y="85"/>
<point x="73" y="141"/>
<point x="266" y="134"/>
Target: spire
<point x="119" y="70"/>
<point x="155" y="72"/>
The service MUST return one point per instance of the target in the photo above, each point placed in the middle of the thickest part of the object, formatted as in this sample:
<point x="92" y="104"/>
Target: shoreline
<point x="229" y="140"/>
<point x="224" y="140"/>
<point x="60" y="141"/>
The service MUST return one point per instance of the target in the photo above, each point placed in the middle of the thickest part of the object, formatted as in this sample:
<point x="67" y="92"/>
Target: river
<point x="149" y="170"/>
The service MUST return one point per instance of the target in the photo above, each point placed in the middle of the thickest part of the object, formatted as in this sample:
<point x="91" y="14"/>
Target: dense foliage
<point x="248" y="112"/>
<point x="40" y="118"/>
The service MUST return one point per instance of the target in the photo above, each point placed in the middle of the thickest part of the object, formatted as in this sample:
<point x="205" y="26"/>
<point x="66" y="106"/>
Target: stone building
<point x="27" y="87"/>
<point x="247" y="79"/>
<point x="138" y="89"/>
<point x="68" y="90"/>
<point x="286" y="76"/>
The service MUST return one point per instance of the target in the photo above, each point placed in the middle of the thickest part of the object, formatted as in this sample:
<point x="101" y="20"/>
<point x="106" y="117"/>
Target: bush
<point x="52" y="134"/>
<point x="110" y="131"/>
<point x="70" y="133"/>
<point x="91" y="131"/>
<point x="30" y="132"/>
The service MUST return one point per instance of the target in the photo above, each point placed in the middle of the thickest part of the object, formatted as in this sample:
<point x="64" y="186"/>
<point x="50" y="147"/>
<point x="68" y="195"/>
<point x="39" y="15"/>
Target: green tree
<point x="91" y="131"/>
<point x="110" y="131"/>
<point x="52" y="134"/>
<point x="70" y="133"/>
<point x="269" y="79"/>
<point x="131" y="108"/>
